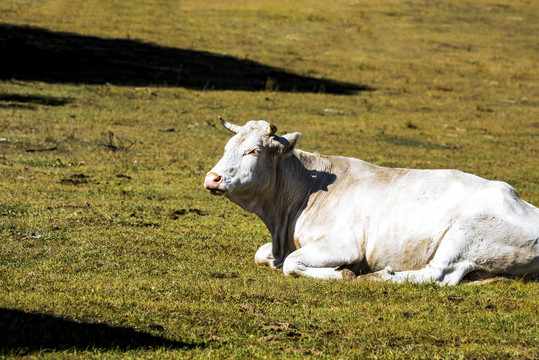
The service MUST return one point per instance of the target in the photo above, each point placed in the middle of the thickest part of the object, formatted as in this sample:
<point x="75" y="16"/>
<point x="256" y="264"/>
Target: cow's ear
<point x="287" y="142"/>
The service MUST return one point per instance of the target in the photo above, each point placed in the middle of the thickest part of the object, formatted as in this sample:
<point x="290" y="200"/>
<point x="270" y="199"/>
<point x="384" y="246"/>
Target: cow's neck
<point x="297" y="177"/>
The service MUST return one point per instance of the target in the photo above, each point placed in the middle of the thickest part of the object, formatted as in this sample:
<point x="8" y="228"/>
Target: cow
<point x="333" y="217"/>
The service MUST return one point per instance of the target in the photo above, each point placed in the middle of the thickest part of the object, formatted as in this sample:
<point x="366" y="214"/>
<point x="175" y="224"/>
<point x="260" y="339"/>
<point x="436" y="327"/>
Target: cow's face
<point x="248" y="164"/>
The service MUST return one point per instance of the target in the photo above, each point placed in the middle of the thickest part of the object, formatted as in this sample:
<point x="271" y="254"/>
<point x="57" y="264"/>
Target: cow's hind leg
<point x="316" y="262"/>
<point x="451" y="262"/>
<point x="450" y="275"/>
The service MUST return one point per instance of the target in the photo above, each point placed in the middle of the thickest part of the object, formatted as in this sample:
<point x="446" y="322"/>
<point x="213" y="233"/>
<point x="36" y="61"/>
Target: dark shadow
<point x="22" y="333"/>
<point x="483" y="277"/>
<point x="29" y="101"/>
<point x="37" y="54"/>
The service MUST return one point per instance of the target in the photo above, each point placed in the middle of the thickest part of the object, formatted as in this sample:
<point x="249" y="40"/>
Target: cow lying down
<point x="331" y="216"/>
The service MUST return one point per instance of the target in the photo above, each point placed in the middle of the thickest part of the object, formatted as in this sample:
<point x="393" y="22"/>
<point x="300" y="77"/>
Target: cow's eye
<point x="253" y="152"/>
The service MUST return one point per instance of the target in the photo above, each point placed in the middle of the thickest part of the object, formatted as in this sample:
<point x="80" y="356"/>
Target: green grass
<point x="111" y="248"/>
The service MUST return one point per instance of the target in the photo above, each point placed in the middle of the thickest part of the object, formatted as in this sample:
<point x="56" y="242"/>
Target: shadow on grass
<point x="23" y="333"/>
<point x="29" y="101"/>
<point x="38" y="54"/>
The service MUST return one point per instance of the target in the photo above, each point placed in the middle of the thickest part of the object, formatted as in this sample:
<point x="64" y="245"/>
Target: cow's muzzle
<point x="213" y="183"/>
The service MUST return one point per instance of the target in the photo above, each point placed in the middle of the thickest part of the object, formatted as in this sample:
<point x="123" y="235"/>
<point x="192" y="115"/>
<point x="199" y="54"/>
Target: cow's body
<point x="326" y="213"/>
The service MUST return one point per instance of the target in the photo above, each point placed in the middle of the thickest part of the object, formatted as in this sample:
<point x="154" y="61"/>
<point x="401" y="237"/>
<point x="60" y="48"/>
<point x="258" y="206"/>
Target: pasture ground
<point x="111" y="248"/>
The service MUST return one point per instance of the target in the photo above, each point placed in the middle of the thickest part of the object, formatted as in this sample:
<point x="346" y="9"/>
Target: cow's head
<point x="251" y="156"/>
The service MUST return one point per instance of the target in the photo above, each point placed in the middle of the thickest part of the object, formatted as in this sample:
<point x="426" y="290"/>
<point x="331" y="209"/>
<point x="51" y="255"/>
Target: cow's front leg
<point x="264" y="256"/>
<point x="313" y="261"/>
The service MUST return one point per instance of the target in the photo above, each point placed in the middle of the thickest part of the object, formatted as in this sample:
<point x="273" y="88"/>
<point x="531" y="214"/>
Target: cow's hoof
<point x="348" y="275"/>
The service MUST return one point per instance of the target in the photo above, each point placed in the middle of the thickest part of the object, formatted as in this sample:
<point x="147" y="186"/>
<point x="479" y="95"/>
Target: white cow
<point x="329" y="213"/>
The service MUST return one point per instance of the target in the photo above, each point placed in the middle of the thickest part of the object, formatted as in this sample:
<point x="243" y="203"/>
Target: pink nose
<point x="213" y="181"/>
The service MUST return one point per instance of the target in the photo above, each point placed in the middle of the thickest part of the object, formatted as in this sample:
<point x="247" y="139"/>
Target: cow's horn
<point x="272" y="129"/>
<point x="229" y="126"/>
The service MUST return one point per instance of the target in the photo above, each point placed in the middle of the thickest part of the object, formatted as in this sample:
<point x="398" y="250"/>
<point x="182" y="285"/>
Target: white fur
<point x="328" y="212"/>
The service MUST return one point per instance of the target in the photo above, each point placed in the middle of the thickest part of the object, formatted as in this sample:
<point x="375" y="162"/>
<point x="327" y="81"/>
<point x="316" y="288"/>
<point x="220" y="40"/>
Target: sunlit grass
<point x="103" y="218"/>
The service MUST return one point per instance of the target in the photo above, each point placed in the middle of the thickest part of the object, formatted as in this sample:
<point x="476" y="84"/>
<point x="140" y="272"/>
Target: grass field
<point x="111" y="248"/>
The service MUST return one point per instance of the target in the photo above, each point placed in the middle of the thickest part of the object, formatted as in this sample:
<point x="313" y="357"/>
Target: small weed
<point x="117" y="143"/>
